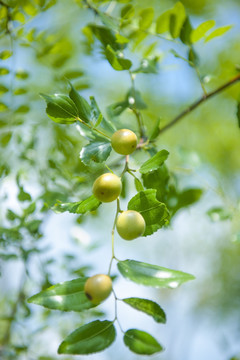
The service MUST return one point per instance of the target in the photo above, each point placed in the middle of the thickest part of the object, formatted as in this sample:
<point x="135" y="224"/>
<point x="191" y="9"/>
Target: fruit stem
<point x="113" y="229"/>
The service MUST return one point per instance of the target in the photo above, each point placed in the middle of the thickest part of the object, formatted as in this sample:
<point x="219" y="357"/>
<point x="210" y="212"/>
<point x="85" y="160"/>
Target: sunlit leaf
<point x="3" y="107"/>
<point x="21" y="74"/>
<point x="172" y="20"/>
<point x="201" y="30"/>
<point x="80" y="207"/>
<point x="65" y="296"/>
<point x="140" y="342"/>
<point x="152" y="275"/>
<point x="155" y="213"/>
<point x="117" y="62"/>
<point x="146" y="18"/>
<point x="149" y="307"/>
<point x="83" y="108"/>
<point x="218" y="32"/>
<point x="155" y="162"/>
<point x="3" y="71"/>
<point x="3" y="89"/>
<point x="90" y="338"/>
<point x="20" y="91"/>
<point x="5" y="54"/>
<point x="96" y="151"/>
<point x="61" y="107"/>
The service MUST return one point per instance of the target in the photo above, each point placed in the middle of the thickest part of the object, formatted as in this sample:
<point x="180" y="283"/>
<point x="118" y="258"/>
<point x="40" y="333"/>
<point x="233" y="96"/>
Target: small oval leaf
<point x="140" y="342"/>
<point x="149" y="307"/>
<point x="90" y="338"/>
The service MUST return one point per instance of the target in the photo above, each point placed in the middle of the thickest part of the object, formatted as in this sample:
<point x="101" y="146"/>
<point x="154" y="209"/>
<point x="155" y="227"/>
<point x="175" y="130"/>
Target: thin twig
<point x="199" y="102"/>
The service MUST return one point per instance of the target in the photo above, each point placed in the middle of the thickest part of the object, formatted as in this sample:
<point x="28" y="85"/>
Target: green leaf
<point x="5" y="138"/>
<point x="3" y="71"/>
<point x="96" y="115"/>
<point x="3" y="89"/>
<point x="138" y="184"/>
<point x="81" y="207"/>
<point x="3" y="107"/>
<point x="146" y="18"/>
<point x="193" y="57"/>
<point x="219" y="214"/>
<point x="90" y="338"/>
<point x="73" y="74"/>
<point x="238" y="114"/>
<point x="162" y="23"/>
<point x="5" y="54"/>
<point x="60" y="108"/>
<point x="66" y="296"/>
<point x="148" y="66"/>
<point x="155" y="162"/>
<point x="218" y="32"/>
<point x="172" y="20"/>
<point x="186" y="31"/>
<point x="118" y="63"/>
<point x="140" y="342"/>
<point x="97" y="151"/>
<point x="201" y="30"/>
<point x="23" y="195"/>
<point x="149" y="307"/>
<point x="105" y="36"/>
<point x="156" y="130"/>
<point x="23" y="109"/>
<point x="157" y="179"/>
<point x="21" y="75"/>
<point x="152" y="275"/>
<point x="20" y="91"/>
<point x="183" y="199"/>
<point x="127" y="11"/>
<point x="83" y="108"/>
<point x="155" y="213"/>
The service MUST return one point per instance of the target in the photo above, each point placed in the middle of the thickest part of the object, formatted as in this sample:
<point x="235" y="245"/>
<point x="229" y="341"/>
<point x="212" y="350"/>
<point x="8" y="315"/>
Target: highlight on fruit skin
<point x="124" y="141"/>
<point x="130" y="225"/>
<point x="107" y="187"/>
<point x="98" y="288"/>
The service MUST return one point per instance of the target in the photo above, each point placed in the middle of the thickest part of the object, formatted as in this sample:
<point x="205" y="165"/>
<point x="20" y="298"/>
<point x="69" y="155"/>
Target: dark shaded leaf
<point x="148" y="307"/>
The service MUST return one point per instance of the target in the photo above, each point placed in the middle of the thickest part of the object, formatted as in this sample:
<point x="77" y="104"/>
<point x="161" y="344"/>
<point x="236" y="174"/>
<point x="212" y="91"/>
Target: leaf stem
<point x="93" y="129"/>
<point x="199" y="102"/>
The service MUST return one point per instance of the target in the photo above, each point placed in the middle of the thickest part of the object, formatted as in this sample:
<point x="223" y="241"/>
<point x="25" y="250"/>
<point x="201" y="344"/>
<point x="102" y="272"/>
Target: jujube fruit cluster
<point x="124" y="141"/>
<point x="97" y="288"/>
<point x="130" y="224"/>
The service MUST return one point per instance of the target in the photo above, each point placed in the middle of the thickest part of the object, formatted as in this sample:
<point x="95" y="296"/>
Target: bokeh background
<point x="39" y="163"/>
